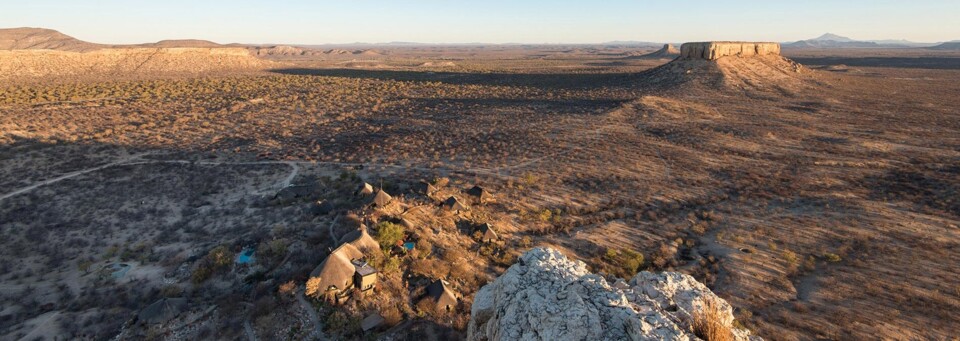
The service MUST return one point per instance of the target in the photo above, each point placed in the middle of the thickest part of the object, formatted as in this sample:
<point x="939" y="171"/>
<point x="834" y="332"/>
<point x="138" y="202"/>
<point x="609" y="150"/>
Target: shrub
<point x="388" y="234"/>
<point x="628" y="262"/>
<point x="708" y="322"/>
<point x="525" y="242"/>
<point x="201" y="274"/>
<point x="832" y="257"/>
<point x="220" y="256"/>
<point x="287" y="288"/>
<point x="790" y="257"/>
<point x="313" y="287"/>
<point x="545" y="215"/>
<point x="632" y="261"/>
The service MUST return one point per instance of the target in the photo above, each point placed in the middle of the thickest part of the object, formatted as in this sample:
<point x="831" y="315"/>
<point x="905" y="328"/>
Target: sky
<point x="485" y="21"/>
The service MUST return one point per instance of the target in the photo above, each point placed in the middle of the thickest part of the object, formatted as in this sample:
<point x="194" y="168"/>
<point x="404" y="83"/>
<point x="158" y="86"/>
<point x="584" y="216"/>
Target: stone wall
<point x="718" y="49"/>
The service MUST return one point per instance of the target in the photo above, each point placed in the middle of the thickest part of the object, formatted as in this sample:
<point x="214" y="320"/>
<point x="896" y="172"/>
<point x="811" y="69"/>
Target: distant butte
<point x="718" y="49"/>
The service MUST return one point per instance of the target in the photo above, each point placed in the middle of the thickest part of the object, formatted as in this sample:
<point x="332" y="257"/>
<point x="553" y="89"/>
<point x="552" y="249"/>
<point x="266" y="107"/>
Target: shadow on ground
<point x="939" y="63"/>
<point x="539" y="80"/>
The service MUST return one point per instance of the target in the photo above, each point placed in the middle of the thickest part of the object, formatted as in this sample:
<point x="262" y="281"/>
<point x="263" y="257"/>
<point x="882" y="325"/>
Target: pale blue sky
<point x="490" y="21"/>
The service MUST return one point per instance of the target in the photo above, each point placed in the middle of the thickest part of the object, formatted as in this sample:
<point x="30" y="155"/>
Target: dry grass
<point x="582" y="158"/>
<point x="708" y="322"/>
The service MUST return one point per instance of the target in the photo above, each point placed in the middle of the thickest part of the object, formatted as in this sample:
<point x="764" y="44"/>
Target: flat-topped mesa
<point x="714" y="50"/>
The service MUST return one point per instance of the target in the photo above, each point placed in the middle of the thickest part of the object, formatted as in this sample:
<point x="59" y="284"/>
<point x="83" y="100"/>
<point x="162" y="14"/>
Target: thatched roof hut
<point x="361" y="239"/>
<point x="479" y="194"/>
<point x="444" y="298"/>
<point x="488" y="233"/>
<point x="425" y="188"/>
<point x="163" y="310"/>
<point x="454" y="204"/>
<point x="365" y="189"/>
<point x="336" y="272"/>
<point x="381" y="199"/>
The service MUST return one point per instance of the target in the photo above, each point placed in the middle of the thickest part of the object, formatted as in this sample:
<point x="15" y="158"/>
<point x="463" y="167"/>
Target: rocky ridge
<point x="718" y="49"/>
<point x="732" y="66"/>
<point x="546" y="296"/>
<point x="667" y="52"/>
<point x="123" y="62"/>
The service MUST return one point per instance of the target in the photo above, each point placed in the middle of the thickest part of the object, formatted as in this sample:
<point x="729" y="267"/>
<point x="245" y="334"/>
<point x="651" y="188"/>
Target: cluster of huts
<point x="346" y="268"/>
<point x="346" y="272"/>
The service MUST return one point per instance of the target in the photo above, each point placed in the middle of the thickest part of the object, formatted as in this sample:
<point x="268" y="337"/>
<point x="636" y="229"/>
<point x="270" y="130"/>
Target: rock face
<point x="716" y="49"/>
<point x="546" y="296"/>
<point x="125" y="61"/>
<point x="668" y="51"/>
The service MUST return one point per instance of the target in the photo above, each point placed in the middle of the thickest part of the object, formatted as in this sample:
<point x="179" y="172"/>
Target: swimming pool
<point x="245" y="257"/>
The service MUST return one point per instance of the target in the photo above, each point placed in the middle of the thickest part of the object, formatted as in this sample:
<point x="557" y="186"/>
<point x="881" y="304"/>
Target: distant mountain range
<point x="28" y="38"/>
<point x="951" y="46"/>
<point x="831" y="40"/>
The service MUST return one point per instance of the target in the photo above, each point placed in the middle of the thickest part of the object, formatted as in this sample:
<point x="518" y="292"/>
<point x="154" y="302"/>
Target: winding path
<point x="122" y="161"/>
<point x="611" y="121"/>
<point x="294" y="165"/>
<point x="317" y="333"/>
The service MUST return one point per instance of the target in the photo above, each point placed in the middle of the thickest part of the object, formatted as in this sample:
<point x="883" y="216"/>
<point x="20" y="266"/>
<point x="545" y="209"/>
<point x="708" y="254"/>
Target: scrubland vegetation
<point x="828" y="210"/>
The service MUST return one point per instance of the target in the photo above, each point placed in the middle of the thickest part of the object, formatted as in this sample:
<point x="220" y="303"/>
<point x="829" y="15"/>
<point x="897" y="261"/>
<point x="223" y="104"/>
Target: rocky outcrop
<point x="667" y="52"/>
<point x="546" y="296"/>
<point x="718" y="49"/>
<point x="125" y="62"/>
<point x="284" y="50"/>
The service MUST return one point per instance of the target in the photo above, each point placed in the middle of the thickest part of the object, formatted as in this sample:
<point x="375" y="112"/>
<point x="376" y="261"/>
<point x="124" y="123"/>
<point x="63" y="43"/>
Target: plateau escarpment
<point x="31" y="64"/>
<point x="715" y="50"/>
<point x="546" y="296"/>
<point x="729" y="65"/>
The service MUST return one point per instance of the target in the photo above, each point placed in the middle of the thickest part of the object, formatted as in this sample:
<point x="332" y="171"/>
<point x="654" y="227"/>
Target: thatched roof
<point x="425" y="188"/>
<point x="454" y="204"/>
<point x="381" y="199"/>
<point x="371" y="322"/>
<point x="163" y="310"/>
<point x="489" y="233"/>
<point x="440" y="293"/>
<point x="479" y="193"/>
<point x="365" y="189"/>
<point x="360" y="239"/>
<point x="337" y="270"/>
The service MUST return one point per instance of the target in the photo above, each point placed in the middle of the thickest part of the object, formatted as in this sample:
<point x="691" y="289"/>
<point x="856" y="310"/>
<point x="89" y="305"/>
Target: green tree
<point x="388" y="234"/>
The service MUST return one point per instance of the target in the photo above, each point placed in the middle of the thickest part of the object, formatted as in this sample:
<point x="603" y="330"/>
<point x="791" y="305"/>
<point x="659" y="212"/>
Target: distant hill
<point x="834" y="38"/>
<point x="666" y="52"/>
<point x="29" y="38"/>
<point x="183" y="43"/>
<point x="830" y="40"/>
<point x="951" y="46"/>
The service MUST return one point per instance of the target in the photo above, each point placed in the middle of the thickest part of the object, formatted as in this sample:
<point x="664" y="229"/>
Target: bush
<point x="388" y="234"/>
<point x="708" y="322"/>
<point x="220" y="256"/>
<point x="628" y="262"/>
<point x="832" y="257"/>
<point x="201" y="274"/>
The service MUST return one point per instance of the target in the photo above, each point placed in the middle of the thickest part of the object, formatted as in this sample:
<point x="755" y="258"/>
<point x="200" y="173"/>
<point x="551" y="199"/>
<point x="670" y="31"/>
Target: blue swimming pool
<point x="245" y="257"/>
